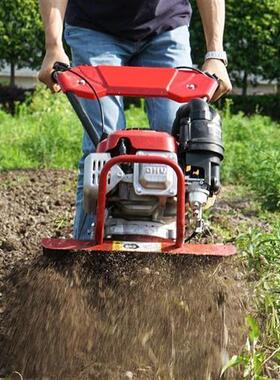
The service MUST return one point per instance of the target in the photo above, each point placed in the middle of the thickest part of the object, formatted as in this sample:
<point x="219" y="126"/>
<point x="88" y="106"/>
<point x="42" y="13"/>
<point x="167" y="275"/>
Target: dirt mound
<point x="106" y="317"/>
<point x="111" y="318"/>
<point x="46" y="321"/>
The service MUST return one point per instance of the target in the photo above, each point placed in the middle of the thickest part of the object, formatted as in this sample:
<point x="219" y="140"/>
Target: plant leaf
<point x="234" y="361"/>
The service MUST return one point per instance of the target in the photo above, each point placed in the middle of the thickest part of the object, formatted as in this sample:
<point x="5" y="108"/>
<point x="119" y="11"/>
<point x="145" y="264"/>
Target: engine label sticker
<point x="135" y="246"/>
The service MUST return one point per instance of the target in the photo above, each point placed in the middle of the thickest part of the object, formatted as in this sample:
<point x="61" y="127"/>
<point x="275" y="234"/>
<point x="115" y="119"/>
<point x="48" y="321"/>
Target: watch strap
<point x="221" y="55"/>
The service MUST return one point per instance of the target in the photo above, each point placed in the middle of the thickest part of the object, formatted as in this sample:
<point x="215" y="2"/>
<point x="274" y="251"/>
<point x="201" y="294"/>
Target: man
<point x="136" y="33"/>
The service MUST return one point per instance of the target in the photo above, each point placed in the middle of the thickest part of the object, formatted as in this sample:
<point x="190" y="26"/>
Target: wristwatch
<point x="221" y="55"/>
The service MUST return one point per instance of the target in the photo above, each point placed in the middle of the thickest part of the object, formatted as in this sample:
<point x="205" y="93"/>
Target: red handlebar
<point x="177" y="84"/>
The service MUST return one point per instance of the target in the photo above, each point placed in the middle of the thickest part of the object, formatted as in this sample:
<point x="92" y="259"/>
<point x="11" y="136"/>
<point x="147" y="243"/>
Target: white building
<point x="24" y="78"/>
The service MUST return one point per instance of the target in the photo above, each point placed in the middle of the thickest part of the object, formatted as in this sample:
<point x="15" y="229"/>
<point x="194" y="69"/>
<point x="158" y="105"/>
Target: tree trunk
<point x="244" y="83"/>
<point x="278" y="87"/>
<point x="12" y="75"/>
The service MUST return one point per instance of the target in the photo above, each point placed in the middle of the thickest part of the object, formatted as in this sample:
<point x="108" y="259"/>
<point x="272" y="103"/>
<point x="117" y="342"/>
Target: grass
<point x="253" y="155"/>
<point x="45" y="133"/>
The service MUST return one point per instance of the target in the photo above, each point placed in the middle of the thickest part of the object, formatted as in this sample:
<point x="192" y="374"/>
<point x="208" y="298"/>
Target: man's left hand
<point x="217" y="67"/>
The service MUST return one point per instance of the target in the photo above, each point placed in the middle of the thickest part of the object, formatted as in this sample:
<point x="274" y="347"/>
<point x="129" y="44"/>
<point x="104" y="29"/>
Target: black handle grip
<point x="53" y="76"/>
<point x="58" y="67"/>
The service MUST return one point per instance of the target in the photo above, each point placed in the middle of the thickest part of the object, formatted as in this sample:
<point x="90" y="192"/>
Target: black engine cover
<point x="197" y="128"/>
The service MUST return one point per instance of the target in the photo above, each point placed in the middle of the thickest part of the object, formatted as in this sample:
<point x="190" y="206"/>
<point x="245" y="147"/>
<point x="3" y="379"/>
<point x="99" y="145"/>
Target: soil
<point x="119" y="316"/>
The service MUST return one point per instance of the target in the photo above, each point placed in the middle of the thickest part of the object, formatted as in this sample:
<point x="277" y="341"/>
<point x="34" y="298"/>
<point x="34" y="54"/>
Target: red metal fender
<point x="168" y="247"/>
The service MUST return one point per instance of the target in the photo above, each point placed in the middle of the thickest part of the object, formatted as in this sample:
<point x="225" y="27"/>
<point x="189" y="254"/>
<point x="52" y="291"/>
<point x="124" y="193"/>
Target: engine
<point x="141" y="198"/>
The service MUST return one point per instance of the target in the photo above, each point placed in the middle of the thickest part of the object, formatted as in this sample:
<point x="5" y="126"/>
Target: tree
<point x="21" y="35"/>
<point x="252" y="40"/>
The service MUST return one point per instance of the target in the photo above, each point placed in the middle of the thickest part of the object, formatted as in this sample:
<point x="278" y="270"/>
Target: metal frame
<point x="101" y="200"/>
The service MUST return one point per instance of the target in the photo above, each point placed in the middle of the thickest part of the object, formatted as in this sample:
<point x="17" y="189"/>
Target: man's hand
<point x="217" y="67"/>
<point x="55" y="54"/>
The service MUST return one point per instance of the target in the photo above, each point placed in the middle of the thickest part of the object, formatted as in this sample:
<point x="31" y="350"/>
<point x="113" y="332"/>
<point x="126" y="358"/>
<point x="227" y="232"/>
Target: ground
<point x="121" y="317"/>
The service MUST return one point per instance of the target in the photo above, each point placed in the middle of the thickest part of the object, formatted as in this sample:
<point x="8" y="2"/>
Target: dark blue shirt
<point x="129" y="19"/>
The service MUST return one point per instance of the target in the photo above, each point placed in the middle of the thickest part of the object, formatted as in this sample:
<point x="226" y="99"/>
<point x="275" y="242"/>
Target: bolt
<point x="171" y="191"/>
<point x="138" y="189"/>
<point x="191" y="86"/>
<point x="81" y="82"/>
<point x="119" y="175"/>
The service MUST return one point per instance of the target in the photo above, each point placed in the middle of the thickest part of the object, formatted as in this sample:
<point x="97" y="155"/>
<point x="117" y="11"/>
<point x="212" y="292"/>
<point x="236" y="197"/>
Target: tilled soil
<point x="107" y="317"/>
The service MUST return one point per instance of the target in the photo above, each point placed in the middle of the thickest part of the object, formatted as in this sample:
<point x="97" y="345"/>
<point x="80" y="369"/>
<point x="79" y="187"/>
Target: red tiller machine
<point x="148" y="189"/>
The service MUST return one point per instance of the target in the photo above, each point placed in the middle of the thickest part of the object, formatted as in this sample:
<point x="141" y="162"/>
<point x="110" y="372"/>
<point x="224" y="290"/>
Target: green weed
<point x="262" y="253"/>
<point x="252" y="360"/>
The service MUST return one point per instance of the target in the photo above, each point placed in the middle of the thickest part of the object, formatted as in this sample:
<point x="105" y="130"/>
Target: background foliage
<point x="253" y="104"/>
<point x="252" y="40"/>
<point x="21" y="35"/>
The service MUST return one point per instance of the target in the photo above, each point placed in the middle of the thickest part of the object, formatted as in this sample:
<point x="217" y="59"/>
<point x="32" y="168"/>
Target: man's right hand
<point x="56" y="54"/>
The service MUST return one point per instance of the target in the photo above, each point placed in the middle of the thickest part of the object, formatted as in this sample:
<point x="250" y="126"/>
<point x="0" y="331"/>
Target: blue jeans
<point x="169" y="49"/>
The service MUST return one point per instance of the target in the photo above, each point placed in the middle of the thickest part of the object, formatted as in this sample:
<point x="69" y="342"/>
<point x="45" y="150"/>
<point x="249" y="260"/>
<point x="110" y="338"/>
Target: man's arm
<point x="212" y="13"/>
<point x="52" y="13"/>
